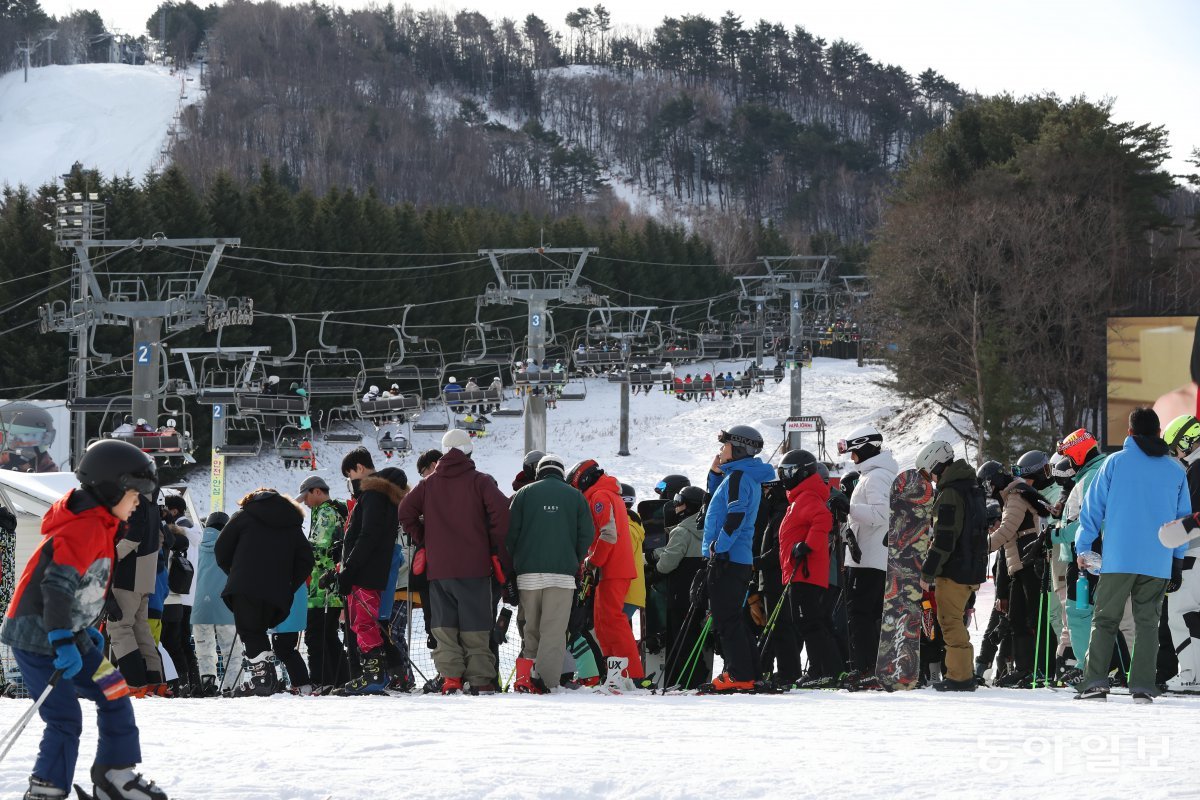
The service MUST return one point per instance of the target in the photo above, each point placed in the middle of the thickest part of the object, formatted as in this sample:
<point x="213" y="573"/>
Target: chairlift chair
<point x="338" y="429"/>
<point x="290" y="446"/>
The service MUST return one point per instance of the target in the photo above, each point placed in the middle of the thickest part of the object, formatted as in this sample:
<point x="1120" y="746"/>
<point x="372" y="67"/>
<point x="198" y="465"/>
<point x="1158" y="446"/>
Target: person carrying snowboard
<point x="50" y="626"/>
<point x="957" y="559"/>
<point x="612" y="552"/>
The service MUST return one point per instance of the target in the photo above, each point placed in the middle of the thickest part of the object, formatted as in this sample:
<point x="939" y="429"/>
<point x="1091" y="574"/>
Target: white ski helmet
<point x="374" y="390"/>
<point x="453" y="379"/>
<point x="860" y="437"/>
<point x="934" y="457"/>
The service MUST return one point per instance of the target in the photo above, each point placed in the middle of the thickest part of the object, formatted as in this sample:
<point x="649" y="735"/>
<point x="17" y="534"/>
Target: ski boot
<point x="208" y="686"/>
<point x="262" y="676"/>
<point x="617" y="680"/>
<point x="820" y="682"/>
<point x="452" y="686"/>
<point x="487" y="687"/>
<point x="523" y="683"/>
<point x="374" y="678"/>
<point x="121" y="783"/>
<point x="724" y="684"/>
<point x="1016" y="679"/>
<point x="42" y="790"/>
<point x="951" y="685"/>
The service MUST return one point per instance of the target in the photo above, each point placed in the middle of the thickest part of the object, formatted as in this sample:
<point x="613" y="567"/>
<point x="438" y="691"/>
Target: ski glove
<point x="67" y="657"/>
<point x="800" y="551"/>
<point x="1176" y="575"/>
<point x="97" y="638"/>
<point x="345" y="583"/>
<point x="328" y="579"/>
<point x="112" y="609"/>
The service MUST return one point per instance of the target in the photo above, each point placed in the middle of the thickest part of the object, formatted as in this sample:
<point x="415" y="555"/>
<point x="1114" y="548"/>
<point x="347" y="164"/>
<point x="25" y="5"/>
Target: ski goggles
<point x="144" y="483"/>
<point x="660" y="487"/>
<point x="846" y="445"/>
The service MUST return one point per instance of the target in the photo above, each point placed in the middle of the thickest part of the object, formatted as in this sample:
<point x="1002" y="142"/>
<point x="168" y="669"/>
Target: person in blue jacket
<point x="735" y="482"/>
<point x="1133" y="494"/>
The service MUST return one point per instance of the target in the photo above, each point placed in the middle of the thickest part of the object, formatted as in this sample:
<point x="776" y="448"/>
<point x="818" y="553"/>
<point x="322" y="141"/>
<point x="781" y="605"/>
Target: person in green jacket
<point x="549" y="534"/>
<point x="327" y="665"/>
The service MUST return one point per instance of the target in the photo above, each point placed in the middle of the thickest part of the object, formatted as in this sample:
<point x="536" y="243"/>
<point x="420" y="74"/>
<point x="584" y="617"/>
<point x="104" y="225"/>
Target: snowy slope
<point x="111" y="117"/>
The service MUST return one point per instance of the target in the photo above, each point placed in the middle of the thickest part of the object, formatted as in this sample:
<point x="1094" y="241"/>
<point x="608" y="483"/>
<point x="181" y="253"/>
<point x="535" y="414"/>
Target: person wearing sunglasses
<point x="735" y="485"/>
<point x="866" y="544"/>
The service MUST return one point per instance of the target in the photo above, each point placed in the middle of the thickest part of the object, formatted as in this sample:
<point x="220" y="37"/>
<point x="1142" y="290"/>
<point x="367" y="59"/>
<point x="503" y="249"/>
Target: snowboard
<point x="898" y="664"/>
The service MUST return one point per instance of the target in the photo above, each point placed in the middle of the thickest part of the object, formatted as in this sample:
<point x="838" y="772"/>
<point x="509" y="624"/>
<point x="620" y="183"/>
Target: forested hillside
<point x="703" y="118"/>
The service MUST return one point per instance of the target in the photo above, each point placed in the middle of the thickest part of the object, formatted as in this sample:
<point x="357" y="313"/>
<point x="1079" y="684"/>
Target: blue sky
<point x="1145" y="55"/>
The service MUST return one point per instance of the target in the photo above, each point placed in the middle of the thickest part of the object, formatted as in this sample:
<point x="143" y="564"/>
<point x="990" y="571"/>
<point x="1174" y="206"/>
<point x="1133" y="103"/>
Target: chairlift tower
<point x="810" y="276"/>
<point x="637" y="320"/>
<point x="537" y="288"/>
<point x="173" y="302"/>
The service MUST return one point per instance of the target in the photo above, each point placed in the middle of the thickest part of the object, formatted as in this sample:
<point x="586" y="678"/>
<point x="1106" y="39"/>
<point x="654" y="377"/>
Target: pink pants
<point x="362" y="610"/>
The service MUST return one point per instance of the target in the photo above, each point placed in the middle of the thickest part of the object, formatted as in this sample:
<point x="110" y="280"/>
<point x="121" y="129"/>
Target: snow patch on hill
<point x="111" y="117"/>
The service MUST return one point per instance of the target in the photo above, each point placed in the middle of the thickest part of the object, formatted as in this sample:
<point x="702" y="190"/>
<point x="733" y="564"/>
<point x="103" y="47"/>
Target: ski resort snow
<point x="995" y="743"/>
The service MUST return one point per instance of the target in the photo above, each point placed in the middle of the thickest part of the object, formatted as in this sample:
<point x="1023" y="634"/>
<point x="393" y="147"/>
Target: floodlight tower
<point x="148" y="304"/>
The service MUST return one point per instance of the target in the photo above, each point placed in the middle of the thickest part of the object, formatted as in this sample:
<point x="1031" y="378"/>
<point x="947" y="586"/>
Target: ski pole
<point x="697" y="651"/>
<point x="676" y="648"/>
<point x="1037" y="647"/>
<point x="10" y="738"/>
<point x="769" y="628"/>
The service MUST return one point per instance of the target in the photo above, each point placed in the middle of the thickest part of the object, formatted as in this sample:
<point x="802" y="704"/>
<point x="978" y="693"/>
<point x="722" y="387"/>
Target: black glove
<point x="1176" y="575"/>
<point x="8" y="521"/>
<point x="509" y="593"/>
<point x="327" y="580"/>
<point x="838" y="504"/>
<point x="112" y="609"/>
<point x="855" y="550"/>
<point x="345" y="582"/>
<point x="800" y="551"/>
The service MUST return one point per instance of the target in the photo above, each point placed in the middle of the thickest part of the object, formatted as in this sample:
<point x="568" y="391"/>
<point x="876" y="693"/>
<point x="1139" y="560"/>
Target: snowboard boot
<point x="1097" y="693"/>
<point x="1142" y="698"/>
<point x="208" y="686"/>
<point x="452" y="685"/>
<point x="524" y="680"/>
<point x="617" y="680"/>
<point x="374" y="678"/>
<point x="42" y="790"/>
<point x="122" y="783"/>
<point x="951" y="685"/>
<point x="262" y="675"/>
<point x="724" y="684"/>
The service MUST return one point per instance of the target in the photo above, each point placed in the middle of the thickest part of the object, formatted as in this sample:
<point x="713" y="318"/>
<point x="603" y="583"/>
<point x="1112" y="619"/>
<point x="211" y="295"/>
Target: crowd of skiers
<point x="766" y="566"/>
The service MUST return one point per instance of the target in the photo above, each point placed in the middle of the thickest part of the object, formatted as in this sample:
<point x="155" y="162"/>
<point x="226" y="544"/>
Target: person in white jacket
<point x="866" y="543"/>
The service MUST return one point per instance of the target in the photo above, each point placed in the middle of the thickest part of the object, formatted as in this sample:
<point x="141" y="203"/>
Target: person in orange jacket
<point x="612" y="553"/>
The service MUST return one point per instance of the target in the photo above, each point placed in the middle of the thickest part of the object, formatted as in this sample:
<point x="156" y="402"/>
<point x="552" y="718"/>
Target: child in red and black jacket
<point x="51" y="620"/>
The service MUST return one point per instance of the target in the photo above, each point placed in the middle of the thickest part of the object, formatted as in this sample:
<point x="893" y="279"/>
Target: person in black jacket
<point x="366" y="561"/>
<point x="134" y="651"/>
<point x="957" y="559"/>
<point x="267" y="557"/>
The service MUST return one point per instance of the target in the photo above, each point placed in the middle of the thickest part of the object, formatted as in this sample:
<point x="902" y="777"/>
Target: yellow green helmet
<point x="1182" y="433"/>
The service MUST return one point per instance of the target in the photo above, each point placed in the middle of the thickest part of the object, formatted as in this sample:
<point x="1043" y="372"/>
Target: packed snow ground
<point x="118" y="119"/>
<point x="996" y="743"/>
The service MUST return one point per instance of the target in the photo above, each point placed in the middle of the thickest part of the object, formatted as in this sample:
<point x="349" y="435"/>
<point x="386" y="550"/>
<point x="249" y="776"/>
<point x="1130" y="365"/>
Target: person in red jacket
<point x="804" y="555"/>
<point x="612" y="552"/>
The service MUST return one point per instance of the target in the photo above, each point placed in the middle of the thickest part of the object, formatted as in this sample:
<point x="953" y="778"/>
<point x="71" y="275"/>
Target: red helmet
<point x="1076" y="445"/>
<point x="584" y="474"/>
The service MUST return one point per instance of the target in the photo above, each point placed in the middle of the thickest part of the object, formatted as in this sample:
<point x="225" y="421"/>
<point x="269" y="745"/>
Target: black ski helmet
<point x="669" y="486"/>
<point x="529" y="465"/>
<point x="747" y="442"/>
<point x="217" y="520"/>
<point x="628" y="495"/>
<point x="110" y="467"/>
<point x="584" y="475"/>
<point x="691" y="496"/>
<point x="1031" y="463"/>
<point x="794" y="467"/>
<point x="992" y="477"/>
